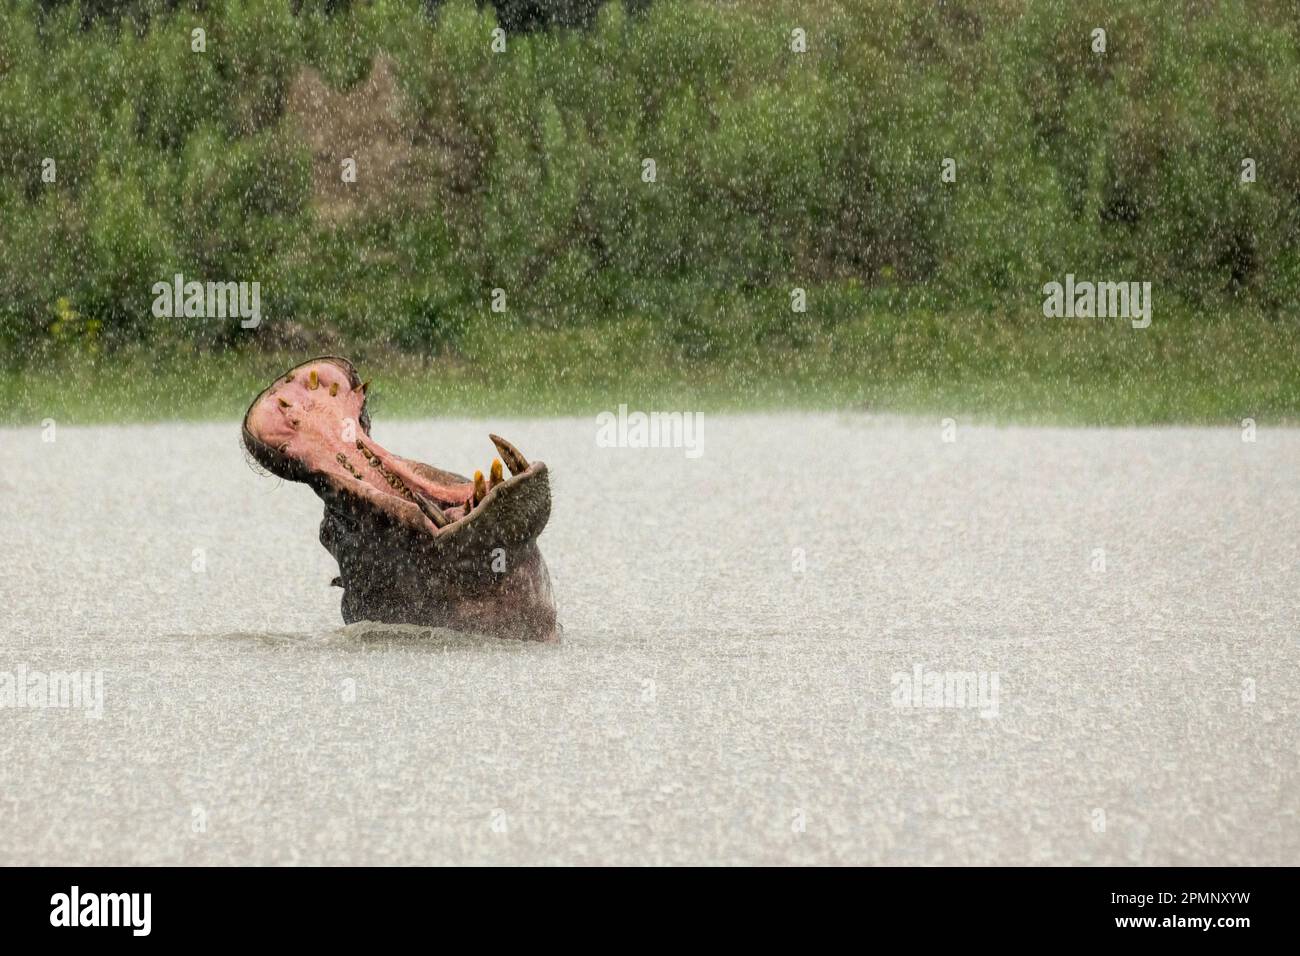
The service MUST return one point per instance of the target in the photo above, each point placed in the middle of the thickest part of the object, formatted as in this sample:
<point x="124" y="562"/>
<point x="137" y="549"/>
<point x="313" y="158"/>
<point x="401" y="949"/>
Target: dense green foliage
<point x="522" y="170"/>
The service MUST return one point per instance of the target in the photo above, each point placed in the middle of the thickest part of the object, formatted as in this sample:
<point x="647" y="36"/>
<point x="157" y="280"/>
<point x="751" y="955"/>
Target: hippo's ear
<point x="337" y="582"/>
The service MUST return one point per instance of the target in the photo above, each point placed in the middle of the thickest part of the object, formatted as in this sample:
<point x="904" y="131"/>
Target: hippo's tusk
<point x="510" y="454"/>
<point x="430" y="510"/>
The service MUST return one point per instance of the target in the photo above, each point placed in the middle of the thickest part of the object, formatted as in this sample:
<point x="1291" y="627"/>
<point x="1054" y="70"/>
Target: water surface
<point x="725" y="690"/>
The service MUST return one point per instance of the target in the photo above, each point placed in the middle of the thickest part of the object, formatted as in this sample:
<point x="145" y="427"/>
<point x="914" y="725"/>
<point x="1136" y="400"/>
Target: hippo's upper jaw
<point x="415" y="544"/>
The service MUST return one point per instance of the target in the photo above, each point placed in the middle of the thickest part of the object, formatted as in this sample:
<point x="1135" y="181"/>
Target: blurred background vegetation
<point x="522" y="171"/>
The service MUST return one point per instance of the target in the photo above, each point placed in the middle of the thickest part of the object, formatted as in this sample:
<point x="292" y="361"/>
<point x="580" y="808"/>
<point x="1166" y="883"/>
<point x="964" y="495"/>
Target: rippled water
<point x="725" y="690"/>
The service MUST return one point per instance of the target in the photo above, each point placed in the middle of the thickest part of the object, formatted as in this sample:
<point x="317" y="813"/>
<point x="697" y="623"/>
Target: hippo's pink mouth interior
<point x="311" y="425"/>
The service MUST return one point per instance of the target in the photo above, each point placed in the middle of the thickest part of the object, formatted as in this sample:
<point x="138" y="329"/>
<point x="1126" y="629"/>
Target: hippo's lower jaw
<point x="415" y="544"/>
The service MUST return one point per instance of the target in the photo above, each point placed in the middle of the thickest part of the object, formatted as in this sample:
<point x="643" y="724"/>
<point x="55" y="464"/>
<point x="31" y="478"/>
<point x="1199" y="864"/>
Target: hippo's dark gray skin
<point x="415" y="544"/>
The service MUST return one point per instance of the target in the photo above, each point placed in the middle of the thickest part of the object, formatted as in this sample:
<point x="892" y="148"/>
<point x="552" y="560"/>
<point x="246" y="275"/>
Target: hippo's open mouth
<point x="415" y="543"/>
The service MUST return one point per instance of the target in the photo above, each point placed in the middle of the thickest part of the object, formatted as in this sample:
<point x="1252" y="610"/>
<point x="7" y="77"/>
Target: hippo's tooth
<point x="313" y="382"/>
<point x="510" y="454"/>
<point x="494" y="476"/>
<point x="431" y="511"/>
<point x="480" y="487"/>
<point x="334" y="389"/>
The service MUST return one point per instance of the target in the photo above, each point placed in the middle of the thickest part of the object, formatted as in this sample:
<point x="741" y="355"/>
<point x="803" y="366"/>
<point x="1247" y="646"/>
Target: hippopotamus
<point x="415" y="544"/>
